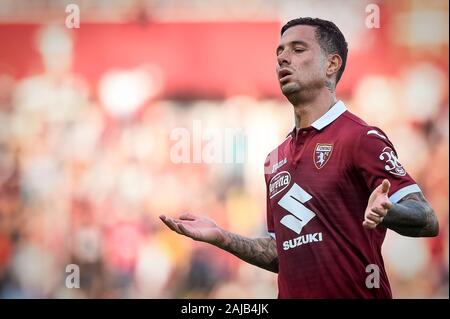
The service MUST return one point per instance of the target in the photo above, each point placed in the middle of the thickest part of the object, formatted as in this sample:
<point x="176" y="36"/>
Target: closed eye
<point x="299" y="50"/>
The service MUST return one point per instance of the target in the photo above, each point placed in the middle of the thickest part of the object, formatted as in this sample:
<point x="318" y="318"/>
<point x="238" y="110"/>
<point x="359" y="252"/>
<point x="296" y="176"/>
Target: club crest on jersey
<point x="278" y="183"/>
<point x="322" y="154"/>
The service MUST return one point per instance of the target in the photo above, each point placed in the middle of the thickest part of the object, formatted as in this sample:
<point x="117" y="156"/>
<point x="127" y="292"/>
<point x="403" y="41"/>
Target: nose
<point x="283" y="58"/>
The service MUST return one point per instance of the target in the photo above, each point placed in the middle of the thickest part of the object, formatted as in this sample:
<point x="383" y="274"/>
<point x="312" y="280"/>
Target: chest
<point x="318" y="167"/>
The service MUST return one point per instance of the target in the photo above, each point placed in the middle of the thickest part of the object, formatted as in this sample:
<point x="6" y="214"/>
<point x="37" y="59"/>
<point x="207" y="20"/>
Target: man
<point x="334" y="185"/>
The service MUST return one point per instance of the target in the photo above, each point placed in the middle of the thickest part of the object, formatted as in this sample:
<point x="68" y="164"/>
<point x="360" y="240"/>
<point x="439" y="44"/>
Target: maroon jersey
<point x="318" y="184"/>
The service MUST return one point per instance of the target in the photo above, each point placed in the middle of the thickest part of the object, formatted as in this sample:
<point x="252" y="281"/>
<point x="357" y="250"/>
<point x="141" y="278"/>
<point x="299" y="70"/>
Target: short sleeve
<point x="376" y="159"/>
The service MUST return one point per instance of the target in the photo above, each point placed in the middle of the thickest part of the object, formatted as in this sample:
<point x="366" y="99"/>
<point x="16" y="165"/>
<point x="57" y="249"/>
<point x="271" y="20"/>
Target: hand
<point x="197" y="228"/>
<point x="377" y="206"/>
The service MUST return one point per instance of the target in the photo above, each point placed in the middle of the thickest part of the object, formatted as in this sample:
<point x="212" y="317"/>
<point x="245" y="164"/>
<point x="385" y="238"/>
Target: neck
<point x="307" y="112"/>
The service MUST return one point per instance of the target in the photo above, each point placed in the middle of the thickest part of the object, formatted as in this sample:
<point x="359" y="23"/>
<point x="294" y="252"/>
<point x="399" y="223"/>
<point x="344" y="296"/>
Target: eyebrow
<point x="292" y="43"/>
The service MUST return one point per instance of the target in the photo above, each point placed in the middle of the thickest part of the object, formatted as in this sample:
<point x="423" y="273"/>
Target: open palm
<point x="197" y="228"/>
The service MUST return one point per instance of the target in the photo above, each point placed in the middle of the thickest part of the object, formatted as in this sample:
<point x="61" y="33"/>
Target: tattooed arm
<point x="412" y="216"/>
<point x="260" y="252"/>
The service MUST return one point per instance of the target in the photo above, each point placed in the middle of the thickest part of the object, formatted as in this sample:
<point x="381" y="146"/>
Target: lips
<point x="283" y="74"/>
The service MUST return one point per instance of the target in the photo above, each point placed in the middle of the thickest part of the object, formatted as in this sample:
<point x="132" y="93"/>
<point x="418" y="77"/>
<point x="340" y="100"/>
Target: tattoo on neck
<point x="329" y="86"/>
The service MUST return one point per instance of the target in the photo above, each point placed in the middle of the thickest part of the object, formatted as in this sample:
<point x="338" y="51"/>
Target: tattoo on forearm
<point x="261" y="252"/>
<point x="413" y="217"/>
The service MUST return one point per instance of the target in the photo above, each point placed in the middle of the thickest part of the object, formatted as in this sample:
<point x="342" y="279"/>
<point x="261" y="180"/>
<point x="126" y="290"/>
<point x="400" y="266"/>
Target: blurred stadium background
<point x="86" y="116"/>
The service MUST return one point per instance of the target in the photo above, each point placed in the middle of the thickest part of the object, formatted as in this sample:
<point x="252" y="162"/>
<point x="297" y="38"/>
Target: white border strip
<point x="403" y="192"/>
<point x="272" y="235"/>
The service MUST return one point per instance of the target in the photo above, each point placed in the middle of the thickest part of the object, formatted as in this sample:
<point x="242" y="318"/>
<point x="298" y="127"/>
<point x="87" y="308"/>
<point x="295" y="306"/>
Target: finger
<point x="188" y="216"/>
<point x="381" y="212"/>
<point x="185" y="231"/>
<point x="369" y="224"/>
<point x="387" y="205"/>
<point x="182" y="227"/>
<point x="374" y="217"/>
<point x="378" y="189"/>
<point x="385" y="186"/>
<point x="171" y="224"/>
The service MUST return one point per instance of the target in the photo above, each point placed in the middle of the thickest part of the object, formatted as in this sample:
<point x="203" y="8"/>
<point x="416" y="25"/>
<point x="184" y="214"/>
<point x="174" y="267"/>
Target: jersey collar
<point x="332" y="114"/>
<point x="329" y="117"/>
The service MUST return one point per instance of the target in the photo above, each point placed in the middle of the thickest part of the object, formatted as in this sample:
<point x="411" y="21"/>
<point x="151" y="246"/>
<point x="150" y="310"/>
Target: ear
<point x="334" y="64"/>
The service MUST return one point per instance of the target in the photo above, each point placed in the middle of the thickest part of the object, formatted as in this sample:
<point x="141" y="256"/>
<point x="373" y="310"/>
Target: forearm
<point x="261" y="252"/>
<point x="412" y="217"/>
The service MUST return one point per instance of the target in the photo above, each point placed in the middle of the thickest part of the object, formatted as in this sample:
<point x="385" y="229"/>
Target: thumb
<point x="188" y="216"/>
<point x="385" y="186"/>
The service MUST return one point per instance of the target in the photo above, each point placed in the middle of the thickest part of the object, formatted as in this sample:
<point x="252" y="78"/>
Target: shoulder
<point x="353" y="123"/>
<point x="277" y="155"/>
<point x="282" y="147"/>
<point x="358" y="129"/>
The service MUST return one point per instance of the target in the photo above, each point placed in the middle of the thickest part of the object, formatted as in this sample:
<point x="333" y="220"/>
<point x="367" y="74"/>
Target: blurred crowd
<point x="83" y="181"/>
<point x="79" y="186"/>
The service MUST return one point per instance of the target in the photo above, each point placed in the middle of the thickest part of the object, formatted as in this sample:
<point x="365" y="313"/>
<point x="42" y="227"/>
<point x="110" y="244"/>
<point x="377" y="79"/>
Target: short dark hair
<point x="330" y="38"/>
